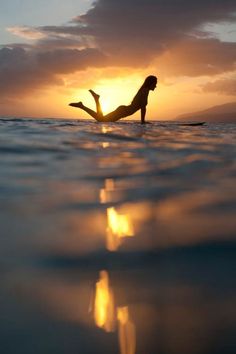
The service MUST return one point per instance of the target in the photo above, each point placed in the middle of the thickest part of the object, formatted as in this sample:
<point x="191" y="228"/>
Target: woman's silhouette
<point x="139" y="102"/>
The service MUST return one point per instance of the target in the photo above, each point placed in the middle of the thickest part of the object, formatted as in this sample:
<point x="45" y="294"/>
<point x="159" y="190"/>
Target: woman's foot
<point x="76" y="104"/>
<point x="94" y="94"/>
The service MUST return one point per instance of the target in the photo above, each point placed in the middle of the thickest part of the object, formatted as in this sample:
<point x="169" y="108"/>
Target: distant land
<point x="225" y="113"/>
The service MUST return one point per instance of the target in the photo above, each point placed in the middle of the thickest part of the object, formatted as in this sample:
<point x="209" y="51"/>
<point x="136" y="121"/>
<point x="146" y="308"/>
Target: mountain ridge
<point x="225" y="113"/>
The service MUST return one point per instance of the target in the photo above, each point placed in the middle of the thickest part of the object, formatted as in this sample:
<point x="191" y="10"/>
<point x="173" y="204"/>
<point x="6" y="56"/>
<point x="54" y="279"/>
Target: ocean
<point x="117" y="238"/>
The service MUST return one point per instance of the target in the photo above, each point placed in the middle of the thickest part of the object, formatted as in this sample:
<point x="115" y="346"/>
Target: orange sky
<point x="54" y="65"/>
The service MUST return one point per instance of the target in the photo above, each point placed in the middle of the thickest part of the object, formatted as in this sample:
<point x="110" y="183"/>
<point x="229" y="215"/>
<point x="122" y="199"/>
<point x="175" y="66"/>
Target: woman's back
<point x="141" y="98"/>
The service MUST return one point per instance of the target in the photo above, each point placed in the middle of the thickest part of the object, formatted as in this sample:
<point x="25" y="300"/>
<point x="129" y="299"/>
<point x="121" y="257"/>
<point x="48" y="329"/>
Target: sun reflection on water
<point x="104" y="311"/>
<point x="106" y="315"/>
<point x="104" y="129"/>
<point x="127" y="332"/>
<point x="105" y="144"/>
<point x="105" y="193"/>
<point x="118" y="227"/>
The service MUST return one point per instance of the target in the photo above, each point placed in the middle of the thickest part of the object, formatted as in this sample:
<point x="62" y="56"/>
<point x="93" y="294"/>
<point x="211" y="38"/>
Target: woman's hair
<point x="150" y="80"/>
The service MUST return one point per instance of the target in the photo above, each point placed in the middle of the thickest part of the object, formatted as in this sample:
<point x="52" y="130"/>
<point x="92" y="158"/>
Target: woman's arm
<point x="143" y="114"/>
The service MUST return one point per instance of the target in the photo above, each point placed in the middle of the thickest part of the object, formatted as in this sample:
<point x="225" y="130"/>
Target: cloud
<point x="46" y="39"/>
<point x="26" y="32"/>
<point x="128" y="33"/>
<point x="22" y="71"/>
<point x="196" y="57"/>
<point x="135" y="31"/>
<point x="149" y="26"/>
<point x="223" y="86"/>
<point x="155" y="24"/>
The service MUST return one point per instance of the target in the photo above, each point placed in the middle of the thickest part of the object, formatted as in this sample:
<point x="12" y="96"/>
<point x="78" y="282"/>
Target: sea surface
<point x="117" y="238"/>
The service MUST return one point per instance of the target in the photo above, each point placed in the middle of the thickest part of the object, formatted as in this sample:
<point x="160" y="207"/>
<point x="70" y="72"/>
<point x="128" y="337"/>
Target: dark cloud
<point x="22" y="70"/>
<point x="223" y="86"/>
<point x="196" y="57"/>
<point x="121" y="33"/>
<point x="135" y="31"/>
<point x="64" y="61"/>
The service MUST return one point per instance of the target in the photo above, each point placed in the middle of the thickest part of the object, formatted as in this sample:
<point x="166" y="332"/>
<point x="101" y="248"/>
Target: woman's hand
<point x="145" y="122"/>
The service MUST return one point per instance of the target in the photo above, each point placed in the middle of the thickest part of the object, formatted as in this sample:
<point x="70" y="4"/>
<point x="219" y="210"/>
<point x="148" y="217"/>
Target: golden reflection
<point x="104" y="129"/>
<point x="105" y="145"/>
<point x="106" y="315"/>
<point x="127" y="333"/>
<point x="119" y="226"/>
<point x="104" y="310"/>
<point x="105" y="192"/>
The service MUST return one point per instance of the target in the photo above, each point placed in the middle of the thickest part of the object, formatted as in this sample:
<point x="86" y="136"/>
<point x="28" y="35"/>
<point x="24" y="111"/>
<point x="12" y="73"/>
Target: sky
<point x="52" y="52"/>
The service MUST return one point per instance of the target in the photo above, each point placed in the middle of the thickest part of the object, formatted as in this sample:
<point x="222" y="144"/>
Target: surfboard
<point x="191" y="124"/>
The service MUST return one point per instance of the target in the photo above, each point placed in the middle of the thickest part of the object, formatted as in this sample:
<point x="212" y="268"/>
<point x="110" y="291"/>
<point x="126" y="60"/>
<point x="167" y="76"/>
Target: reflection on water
<point x="106" y="192"/>
<point x="106" y="315"/>
<point x="119" y="226"/>
<point x="105" y="145"/>
<point x="104" y="307"/>
<point x="66" y="187"/>
<point x="127" y="335"/>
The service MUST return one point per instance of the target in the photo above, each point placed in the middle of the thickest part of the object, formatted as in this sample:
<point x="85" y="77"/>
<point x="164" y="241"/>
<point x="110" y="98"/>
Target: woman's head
<point x="150" y="82"/>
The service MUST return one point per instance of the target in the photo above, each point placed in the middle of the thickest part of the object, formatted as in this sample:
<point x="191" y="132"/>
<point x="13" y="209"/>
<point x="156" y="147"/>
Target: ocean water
<point x="117" y="238"/>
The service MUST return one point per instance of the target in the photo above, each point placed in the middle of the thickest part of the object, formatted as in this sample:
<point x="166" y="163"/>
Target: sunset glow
<point x="46" y="64"/>
<point x="117" y="176"/>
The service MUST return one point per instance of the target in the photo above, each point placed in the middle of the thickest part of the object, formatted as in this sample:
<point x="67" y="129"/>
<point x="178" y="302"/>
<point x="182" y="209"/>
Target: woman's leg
<point x="96" y="115"/>
<point x="120" y="112"/>
<point x="98" y="105"/>
<point x="86" y="109"/>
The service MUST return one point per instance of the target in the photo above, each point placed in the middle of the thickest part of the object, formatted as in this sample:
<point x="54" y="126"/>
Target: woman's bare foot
<point x="94" y="94"/>
<point x="76" y="104"/>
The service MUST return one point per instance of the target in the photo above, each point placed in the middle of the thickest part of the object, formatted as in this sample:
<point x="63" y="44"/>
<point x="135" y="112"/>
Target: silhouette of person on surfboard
<point x="139" y="102"/>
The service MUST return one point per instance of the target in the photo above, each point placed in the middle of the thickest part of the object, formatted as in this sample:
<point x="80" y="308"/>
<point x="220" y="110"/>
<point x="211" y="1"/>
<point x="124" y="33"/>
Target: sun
<point x="111" y="97"/>
<point x="107" y="106"/>
<point x="116" y="92"/>
<point x="120" y="90"/>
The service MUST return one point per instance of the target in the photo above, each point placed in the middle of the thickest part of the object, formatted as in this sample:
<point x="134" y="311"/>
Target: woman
<point x="139" y="102"/>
